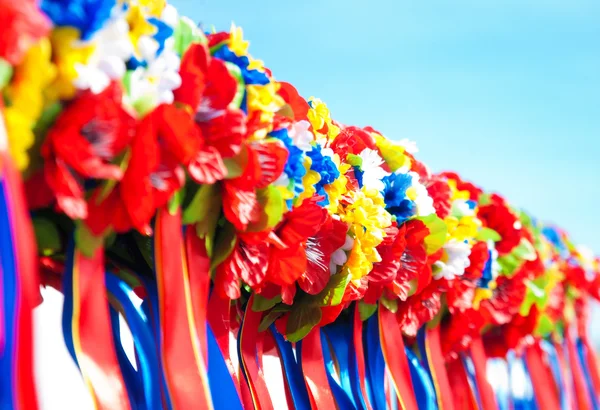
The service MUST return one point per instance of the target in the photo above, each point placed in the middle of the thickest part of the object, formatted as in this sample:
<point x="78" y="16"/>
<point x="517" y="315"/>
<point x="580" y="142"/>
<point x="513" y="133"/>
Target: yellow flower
<point x="456" y="194"/>
<point x="319" y="116"/>
<point x="310" y="179"/>
<point x="391" y="152"/>
<point x="264" y="98"/>
<point x="138" y="24"/>
<point x="20" y="136"/>
<point x="357" y="265"/>
<point x="462" y="229"/>
<point x="67" y="55"/>
<point x="237" y="44"/>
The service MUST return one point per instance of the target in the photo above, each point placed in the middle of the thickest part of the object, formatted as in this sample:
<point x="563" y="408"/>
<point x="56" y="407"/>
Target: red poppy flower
<point x="163" y="144"/>
<point x="88" y="135"/>
<point x="439" y="191"/>
<point x="420" y="309"/>
<point x="208" y="88"/>
<point x="474" y="192"/>
<point x="418" y="167"/>
<point x="298" y="104"/>
<point x="498" y="216"/>
<point x="462" y="290"/>
<point x="23" y="24"/>
<point x="352" y="140"/>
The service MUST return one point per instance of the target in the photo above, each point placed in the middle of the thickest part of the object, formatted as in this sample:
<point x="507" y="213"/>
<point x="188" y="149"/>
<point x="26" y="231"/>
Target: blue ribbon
<point x="520" y="383"/>
<point x="341" y="390"/>
<point x="293" y="371"/>
<point x="9" y="287"/>
<point x="470" y="369"/>
<point x="500" y="382"/>
<point x="375" y="364"/>
<point x="422" y="384"/>
<point x="130" y="376"/>
<point x="223" y="391"/>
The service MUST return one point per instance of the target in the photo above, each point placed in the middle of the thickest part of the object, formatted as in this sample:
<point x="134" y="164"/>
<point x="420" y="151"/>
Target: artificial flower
<point x="87" y="16"/>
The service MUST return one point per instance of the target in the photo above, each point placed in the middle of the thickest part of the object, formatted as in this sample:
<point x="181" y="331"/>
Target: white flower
<point x="170" y="16"/>
<point x="494" y="258"/>
<point x="456" y="260"/>
<point x="461" y="208"/>
<point x="372" y="169"/>
<point x="301" y="136"/>
<point x="409" y="146"/>
<point x="340" y="257"/>
<point x="112" y="49"/>
<point x="422" y="199"/>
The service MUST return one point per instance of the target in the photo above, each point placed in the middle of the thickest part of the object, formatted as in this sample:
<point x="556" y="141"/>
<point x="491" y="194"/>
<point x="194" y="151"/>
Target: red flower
<point x="498" y="216"/>
<point x="352" y="140"/>
<point x="439" y="191"/>
<point x="420" y="309"/>
<point x="208" y="88"/>
<point x="164" y="142"/>
<point x="462" y="290"/>
<point x="298" y="104"/>
<point x="23" y="24"/>
<point x="474" y="192"/>
<point x="88" y="135"/>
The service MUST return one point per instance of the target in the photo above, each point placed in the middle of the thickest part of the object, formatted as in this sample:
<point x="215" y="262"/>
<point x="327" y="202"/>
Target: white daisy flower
<point x="456" y="260"/>
<point x="372" y="169"/>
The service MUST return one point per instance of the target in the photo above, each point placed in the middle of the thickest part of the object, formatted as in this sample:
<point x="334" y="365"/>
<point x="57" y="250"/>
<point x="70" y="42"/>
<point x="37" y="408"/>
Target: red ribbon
<point x="255" y="378"/>
<point x="183" y="360"/>
<point x="392" y="345"/>
<point x="437" y="368"/>
<point x="564" y="370"/>
<point x="479" y="358"/>
<point x="462" y="395"/>
<point x="92" y="333"/>
<point x="360" y="355"/>
<point x="546" y="393"/>
<point x="315" y="375"/>
<point x="28" y="285"/>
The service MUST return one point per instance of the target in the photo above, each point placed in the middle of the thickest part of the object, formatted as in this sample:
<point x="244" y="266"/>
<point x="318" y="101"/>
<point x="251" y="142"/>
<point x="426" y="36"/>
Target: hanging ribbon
<point x="592" y="365"/>
<point x="182" y="359"/>
<point x="357" y="359"/>
<point x="313" y="369"/>
<point x="554" y="362"/>
<point x="335" y="354"/>
<point x="375" y="364"/>
<point x="520" y="384"/>
<point x="292" y="370"/>
<point x="582" y="354"/>
<point x="149" y="396"/>
<point x="547" y="395"/>
<point x="431" y="351"/>
<point x="392" y="344"/>
<point x="581" y="394"/>
<point x="479" y="358"/>
<point x="247" y="343"/>
<point x="130" y="375"/>
<point x="222" y="387"/>
<point x="561" y="354"/>
<point x="423" y="387"/>
<point x="463" y="395"/>
<point x="87" y="326"/>
<point x="19" y="290"/>
<point x="500" y="382"/>
<point x="270" y="348"/>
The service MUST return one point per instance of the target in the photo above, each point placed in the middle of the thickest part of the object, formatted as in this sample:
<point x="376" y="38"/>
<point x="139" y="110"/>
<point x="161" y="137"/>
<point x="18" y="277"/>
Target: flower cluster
<point x="115" y="110"/>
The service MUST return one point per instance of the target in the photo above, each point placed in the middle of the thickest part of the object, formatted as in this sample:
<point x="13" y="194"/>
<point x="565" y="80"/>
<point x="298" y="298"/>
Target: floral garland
<point x="164" y="164"/>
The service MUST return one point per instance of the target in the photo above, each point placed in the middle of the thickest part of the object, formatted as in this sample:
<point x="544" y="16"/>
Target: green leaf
<point x="46" y="236"/>
<point x="225" y="241"/>
<point x="301" y="321"/>
<point x="488" y="234"/>
<point x="175" y="201"/>
<point x="525" y="250"/>
<point x="354" y="160"/>
<point x="6" y="72"/>
<point x="390" y="304"/>
<point x="186" y="33"/>
<point x="437" y="233"/>
<point x="236" y="73"/>
<point x="236" y="165"/>
<point x="545" y="326"/>
<point x="261" y="304"/>
<point x="366" y="310"/>
<point x="484" y="199"/>
<point x="272" y="207"/>
<point x="85" y="240"/>
<point x="206" y="204"/>
<point x="272" y="316"/>
<point x="334" y="291"/>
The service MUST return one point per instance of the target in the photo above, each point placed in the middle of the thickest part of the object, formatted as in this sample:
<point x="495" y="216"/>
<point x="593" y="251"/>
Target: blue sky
<point x="505" y="93"/>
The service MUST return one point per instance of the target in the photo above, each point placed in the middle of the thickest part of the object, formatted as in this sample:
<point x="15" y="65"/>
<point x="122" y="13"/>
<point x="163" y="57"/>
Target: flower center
<point x="101" y="136"/>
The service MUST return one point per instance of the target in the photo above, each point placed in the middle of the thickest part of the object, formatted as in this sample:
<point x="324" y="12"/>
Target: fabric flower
<point x="87" y="16"/>
<point x="89" y="134"/>
<point x="22" y="26"/>
<point x="454" y="261"/>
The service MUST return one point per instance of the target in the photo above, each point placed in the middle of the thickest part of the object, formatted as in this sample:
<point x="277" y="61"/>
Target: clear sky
<point x="507" y="93"/>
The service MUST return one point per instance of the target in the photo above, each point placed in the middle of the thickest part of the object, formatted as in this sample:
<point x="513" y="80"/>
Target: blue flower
<point x="394" y="195"/>
<point x="250" y="76"/>
<point x="324" y="165"/>
<point x="554" y="238"/>
<point x="88" y="16"/>
<point x="294" y="167"/>
<point x="163" y="32"/>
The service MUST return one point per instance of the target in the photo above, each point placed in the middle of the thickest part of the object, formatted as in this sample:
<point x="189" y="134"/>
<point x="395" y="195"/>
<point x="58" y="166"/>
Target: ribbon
<point x="396" y="361"/>
<point x="547" y="395"/>
<point x="500" y="381"/>
<point x="423" y="386"/>
<point x="292" y="371"/>
<point x="375" y="364"/>
<point x="429" y="343"/>
<point x="335" y="349"/>
<point x="182" y="359"/>
<point x="270" y="348"/>
<point x="19" y="290"/>
<point x="130" y="375"/>
<point x="87" y="326"/>
<point x="357" y="362"/>
<point x="313" y="369"/>
<point x="520" y="384"/>
<point x="463" y="395"/>
<point x="562" y="356"/>
<point x="583" y="354"/>
<point x="145" y="348"/>
<point x="479" y="359"/>
<point x="581" y="396"/>
<point x="592" y="365"/>
<point x="552" y="356"/>
<point x="247" y="348"/>
<point x="223" y="389"/>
